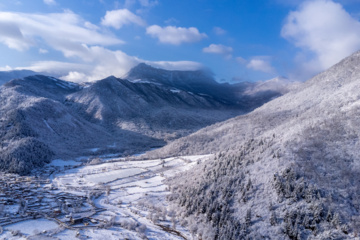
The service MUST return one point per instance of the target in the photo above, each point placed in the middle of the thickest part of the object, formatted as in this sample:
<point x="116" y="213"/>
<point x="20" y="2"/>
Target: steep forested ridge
<point x="288" y="170"/>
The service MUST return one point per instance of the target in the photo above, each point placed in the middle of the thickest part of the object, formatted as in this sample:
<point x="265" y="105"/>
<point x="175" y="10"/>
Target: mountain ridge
<point x="66" y="120"/>
<point x="299" y="100"/>
<point x="112" y="115"/>
<point x="287" y="170"/>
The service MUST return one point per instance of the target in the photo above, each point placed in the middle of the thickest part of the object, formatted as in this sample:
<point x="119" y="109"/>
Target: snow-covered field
<point x="124" y="200"/>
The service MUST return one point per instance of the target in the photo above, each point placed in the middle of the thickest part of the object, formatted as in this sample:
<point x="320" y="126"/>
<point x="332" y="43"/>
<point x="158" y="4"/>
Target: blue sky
<point x="237" y="40"/>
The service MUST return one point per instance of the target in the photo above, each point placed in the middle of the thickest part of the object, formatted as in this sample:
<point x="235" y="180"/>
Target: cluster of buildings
<point x="23" y="198"/>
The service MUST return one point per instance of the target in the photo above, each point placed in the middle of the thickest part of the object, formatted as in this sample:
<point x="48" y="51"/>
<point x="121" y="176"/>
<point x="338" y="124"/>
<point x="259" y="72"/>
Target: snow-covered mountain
<point x="43" y="118"/>
<point x="245" y="95"/>
<point x="37" y="125"/>
<point x="199" y="81"/>
<point x="288" y="170"/>
<point x="149" y="109"/>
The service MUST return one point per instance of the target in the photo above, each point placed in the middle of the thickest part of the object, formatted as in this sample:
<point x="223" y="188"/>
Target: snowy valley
<point x="179" y="120"/>
<point x="112" y="198"/>
<point x="285" y="170"/>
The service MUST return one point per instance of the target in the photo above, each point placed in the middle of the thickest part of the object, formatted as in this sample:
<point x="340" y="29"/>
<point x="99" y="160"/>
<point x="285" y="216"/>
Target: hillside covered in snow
<point x="44" y="118"/>
<point x="288" y="170"/>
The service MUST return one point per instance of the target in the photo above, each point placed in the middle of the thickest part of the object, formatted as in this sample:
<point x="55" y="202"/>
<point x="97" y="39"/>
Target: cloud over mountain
<point x="261" y="63"/>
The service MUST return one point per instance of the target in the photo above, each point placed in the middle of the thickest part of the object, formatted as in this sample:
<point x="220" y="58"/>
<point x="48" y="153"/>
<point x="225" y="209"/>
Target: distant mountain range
<point x="245" y="95"/>
<point x="43" y="118"/>
<point x="288" y="170"/>
<point x="6" y="76"/>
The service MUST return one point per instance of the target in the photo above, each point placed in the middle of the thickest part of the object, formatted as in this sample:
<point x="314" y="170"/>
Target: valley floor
<point x="108" y="199"/>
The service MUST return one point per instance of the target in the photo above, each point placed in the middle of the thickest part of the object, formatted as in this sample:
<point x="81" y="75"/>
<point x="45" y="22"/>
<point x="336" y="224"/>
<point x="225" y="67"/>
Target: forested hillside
<point x="290" y="169"/>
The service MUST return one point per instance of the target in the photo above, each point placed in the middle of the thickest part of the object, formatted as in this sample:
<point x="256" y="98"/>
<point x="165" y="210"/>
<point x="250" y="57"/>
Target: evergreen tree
<point x="248" y="217"/>
<point x="273" y="219"/>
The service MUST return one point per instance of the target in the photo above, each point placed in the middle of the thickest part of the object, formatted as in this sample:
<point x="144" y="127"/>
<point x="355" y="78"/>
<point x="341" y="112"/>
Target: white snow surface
<point x="28" y="227"/>
<point x="131" y="193"/>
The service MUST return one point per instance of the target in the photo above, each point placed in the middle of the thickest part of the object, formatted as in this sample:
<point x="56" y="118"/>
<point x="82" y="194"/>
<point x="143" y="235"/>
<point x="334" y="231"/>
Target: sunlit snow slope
<point x="288" y="170"/>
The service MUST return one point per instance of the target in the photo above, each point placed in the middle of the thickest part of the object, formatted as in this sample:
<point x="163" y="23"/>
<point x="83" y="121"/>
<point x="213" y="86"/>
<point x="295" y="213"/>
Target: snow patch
<point x="175" y="90"/>
<point x="48" y="126"/>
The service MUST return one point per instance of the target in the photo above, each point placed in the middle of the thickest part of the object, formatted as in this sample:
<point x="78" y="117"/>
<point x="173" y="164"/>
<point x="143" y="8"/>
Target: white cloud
<point x="103" y="64"/>
<point x="262" y="64"/>
<point x="179" y="65"/>
<point x="55" y="68"/>
<point x="324" y="31"/>
<point x="50" y="2"/>
<point x="78" y="40"/>
<point x="74" y="76"/>
<point x="11" y="35"/>
<point x="22" y="31"/>
<point x="106" y="63"/>
<point x="43" y="51"/>
<point x="6" y="68"/>
<point x="175" y="35"/>
<point x="219" y="49"/>
<point x="118" y="18"/>
<point x="62" y="31"/>
<point x="219" y="31"/>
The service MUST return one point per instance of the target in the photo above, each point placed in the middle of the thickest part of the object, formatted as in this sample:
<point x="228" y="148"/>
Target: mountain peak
<point x="142" y="70"/>
<point x="143" y="66"/>
<point x="148" y="72"/>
